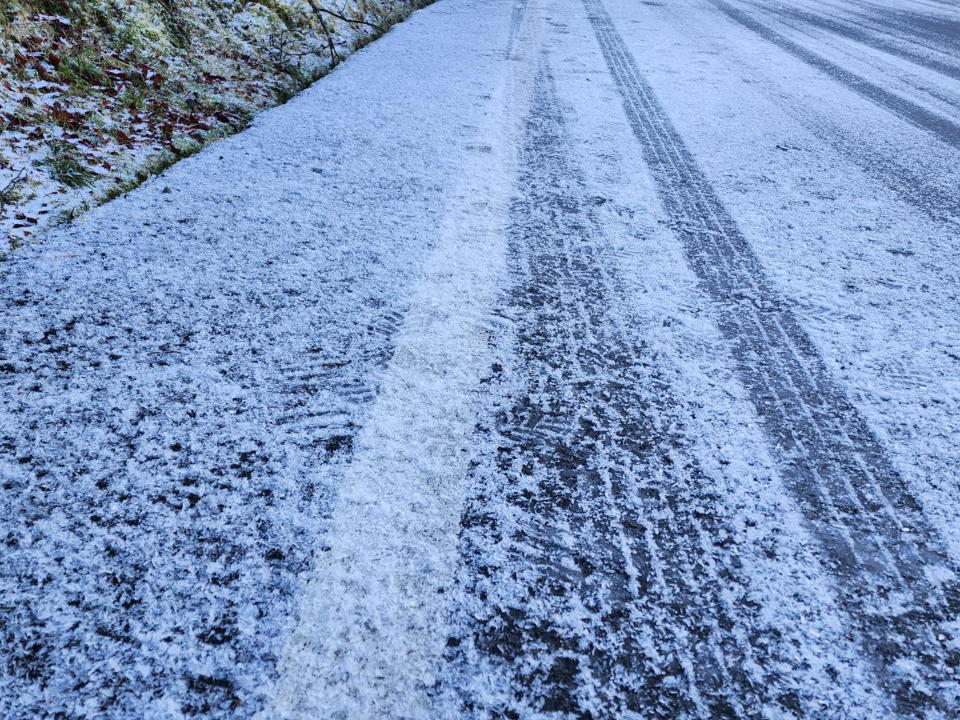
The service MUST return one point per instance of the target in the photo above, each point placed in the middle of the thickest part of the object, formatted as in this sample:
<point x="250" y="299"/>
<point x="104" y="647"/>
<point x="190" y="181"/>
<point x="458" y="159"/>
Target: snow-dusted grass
<point x="98" y="95"/>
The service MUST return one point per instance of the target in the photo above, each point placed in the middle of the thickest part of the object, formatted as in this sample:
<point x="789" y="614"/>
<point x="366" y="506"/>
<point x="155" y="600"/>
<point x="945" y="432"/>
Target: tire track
<point x="516" y="21"/>
<point x="369" y="635"/>
<point x="597" y="560"/>
<point x="324" y="394"/>
<point x="855" y="33"/>
<point x="940" y="33"/>
<point x="914" y="187"/>
<point x="917" y="115"/>
<point x="873" y="536"/>
<point x="804" y="22"/>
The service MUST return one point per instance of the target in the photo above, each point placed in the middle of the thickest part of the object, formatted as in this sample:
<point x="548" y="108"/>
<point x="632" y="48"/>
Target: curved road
<point x="549" y="359"/>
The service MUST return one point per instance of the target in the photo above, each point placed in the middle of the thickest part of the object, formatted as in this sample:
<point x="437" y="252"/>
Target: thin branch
<point x="334" y="55"/>
<point x="7" y="191"/>
<point x="352" y="21"/>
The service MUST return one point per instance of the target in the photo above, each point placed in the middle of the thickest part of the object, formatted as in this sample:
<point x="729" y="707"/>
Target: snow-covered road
<point x="549" y="359"/>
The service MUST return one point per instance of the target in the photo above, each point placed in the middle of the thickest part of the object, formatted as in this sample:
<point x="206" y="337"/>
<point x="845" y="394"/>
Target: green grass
<point x="66" y="166"/>
<point x="81" y="70"/>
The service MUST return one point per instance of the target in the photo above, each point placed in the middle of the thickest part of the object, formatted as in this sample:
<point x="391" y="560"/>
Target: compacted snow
<point x="549" y="359"/>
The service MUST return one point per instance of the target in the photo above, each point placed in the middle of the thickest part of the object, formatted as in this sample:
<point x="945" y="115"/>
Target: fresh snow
<point x="547" y="359"/>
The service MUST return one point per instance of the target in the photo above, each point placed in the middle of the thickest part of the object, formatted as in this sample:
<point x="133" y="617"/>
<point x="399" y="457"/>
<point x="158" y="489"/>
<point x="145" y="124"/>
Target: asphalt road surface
<point x="548" y="360"/>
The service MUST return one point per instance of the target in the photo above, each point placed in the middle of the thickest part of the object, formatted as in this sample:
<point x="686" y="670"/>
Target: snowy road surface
<point x="549" y="359"/>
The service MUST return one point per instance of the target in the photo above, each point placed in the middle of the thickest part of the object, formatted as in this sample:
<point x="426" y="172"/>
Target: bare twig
<point x="334" y="55"/>
<point x="352" y="21"/>
<point x="6" y="194"/>
<point x="277" y="47"/>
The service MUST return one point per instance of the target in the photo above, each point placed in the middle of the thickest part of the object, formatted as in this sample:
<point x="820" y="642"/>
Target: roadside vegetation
<point x="97" y="95"/>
